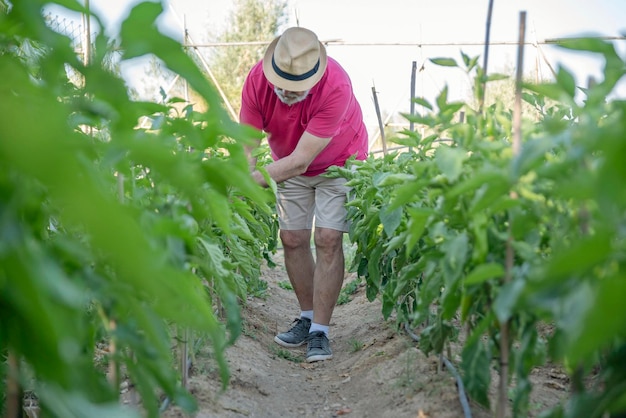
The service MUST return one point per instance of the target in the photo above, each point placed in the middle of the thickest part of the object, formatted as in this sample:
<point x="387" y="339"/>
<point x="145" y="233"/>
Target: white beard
<point x="290" y="99"/>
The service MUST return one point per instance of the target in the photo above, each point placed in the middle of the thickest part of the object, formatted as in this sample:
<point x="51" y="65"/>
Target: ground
<point x="376" y="371"/>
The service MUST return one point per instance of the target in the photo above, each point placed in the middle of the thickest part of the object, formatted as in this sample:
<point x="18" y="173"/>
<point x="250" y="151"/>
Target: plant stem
<point x="113" y="366"/>
<point x="183" y="346"/>
<point x="503" y="385"/>
<point x="14" y="390"/>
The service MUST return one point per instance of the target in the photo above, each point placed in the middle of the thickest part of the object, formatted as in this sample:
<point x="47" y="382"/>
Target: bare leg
<point x="329" y="273"/>
<point x="300" y="264"/>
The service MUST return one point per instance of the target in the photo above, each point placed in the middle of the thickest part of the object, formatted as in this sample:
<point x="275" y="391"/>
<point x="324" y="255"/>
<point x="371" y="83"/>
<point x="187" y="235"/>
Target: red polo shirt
<point x="329" y="111"/>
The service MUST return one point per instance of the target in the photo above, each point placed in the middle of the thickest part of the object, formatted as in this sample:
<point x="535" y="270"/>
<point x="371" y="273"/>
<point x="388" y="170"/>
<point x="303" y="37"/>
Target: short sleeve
<point x="328" y="120"/>
<point x="250" y="113"/>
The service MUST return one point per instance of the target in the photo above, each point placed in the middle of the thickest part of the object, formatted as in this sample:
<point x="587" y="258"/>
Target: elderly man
<point x="303" y="100"/>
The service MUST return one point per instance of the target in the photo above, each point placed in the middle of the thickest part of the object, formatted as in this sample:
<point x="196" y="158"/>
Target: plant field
<point x="376" y="371"/>
<point x="465" y="235"/>
<point x="135" y="247"/>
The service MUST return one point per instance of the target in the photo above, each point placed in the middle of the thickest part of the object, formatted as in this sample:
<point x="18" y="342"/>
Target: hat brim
<point x="290" y="85"/>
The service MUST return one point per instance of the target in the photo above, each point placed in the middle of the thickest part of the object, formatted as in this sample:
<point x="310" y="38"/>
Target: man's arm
<point x="251" y="158"/>
<point x="295" y="163"/>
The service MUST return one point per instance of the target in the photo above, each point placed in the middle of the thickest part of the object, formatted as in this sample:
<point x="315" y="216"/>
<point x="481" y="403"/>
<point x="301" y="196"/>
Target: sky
<point x="387" y="68"/>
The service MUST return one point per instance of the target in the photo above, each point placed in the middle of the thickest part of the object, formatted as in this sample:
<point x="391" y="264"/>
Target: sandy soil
<point x="375" y="371"/>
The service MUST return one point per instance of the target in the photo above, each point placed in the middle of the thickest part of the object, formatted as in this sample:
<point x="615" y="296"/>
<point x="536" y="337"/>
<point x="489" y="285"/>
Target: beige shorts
<point x="302" y="198"/>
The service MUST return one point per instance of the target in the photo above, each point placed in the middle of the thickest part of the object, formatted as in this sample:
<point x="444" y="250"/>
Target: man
<point x="303" y="101"/>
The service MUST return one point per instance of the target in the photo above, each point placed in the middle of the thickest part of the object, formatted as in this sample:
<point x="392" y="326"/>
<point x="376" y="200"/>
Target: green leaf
<point x="451" y="299"/>
<point x="214" y="257"/>
<point x="507" y="299"/>
<point x="550" y="90"/>
<point x="595" y="331"/>
<point x="418" y="218"/>
<point x="407" y="192"/>
<point x="392" y="179"/>
<point x="483" y="273"/>
<point x="532" y="155"/>
<point x="588" y="44"/>
<point x="434" y="337"/>
<point x="373" y="271"/>
<point x="422" y="102"/>
<point x="566" y="80"/>
<point x="579" y="258"/>
<point x="476" y="368"/>
<point x="469" y="62"/>
<point x="450" y="161"/>
<point x="442" y="102"/>
<point x="390" y="219"/>
<point x="67" y="404"/>
<point x="456" y="250"/>
<point x="490" y="196"/>
<point x="497" y="77"/>
<point x="478" y="228"/>
<point x="477" y="179"/>
<point x="445" y="62"/>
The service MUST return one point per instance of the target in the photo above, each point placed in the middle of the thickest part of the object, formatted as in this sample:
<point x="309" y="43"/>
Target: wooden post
<point x="517" y="108"/>
<point x="505" y="342"/>
<point x="485" y="58"/>
<point x="413" y="71"/>
<point x="380" y="121"/>
<point x="87" y="38"/>
<point x="413" y="74"/>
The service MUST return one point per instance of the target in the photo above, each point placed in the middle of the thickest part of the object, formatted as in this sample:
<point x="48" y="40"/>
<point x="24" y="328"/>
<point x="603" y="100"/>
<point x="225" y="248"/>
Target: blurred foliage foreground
<point x="115" y="237"/>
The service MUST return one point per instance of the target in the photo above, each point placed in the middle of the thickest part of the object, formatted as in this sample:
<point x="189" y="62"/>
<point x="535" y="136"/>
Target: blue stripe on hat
<point x="292" y="77"/>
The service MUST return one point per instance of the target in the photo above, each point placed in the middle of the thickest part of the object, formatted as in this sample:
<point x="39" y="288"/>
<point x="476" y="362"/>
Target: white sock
<point x="318" y="327"/>
<point x="307" y="314"/>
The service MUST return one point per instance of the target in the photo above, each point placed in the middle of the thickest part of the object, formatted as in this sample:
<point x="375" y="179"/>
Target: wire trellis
<point x="68" y="27"/>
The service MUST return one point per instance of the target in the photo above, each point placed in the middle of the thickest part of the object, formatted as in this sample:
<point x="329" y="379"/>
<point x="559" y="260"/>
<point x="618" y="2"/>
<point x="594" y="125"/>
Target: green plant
<point x="286" y="354"/>
<point x="459" y="230"/>
<point x="355" y="345"/>
<point x="348" y="290"/>
<point x="113" y="232"/>
<point x="283" y="284"/>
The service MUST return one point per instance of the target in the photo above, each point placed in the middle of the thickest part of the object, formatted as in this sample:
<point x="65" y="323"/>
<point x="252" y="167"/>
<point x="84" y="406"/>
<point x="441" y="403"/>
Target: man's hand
<point x="298" y="161"/>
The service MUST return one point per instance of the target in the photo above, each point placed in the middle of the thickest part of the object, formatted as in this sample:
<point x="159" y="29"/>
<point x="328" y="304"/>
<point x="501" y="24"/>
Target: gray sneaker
<point x="318" y="347"/>
<point x="297" y="335"/>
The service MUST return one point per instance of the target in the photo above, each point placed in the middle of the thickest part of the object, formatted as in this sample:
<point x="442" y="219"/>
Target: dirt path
<point x="375" y="372"/>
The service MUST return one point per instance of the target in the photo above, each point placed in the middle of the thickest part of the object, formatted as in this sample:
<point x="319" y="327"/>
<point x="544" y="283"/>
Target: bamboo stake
<point x="483" y="82"/>
<point x="517" y="141"/>
<point x="87" y="40"/>
<point x="380" y="121"/>
<point x="413" y="72"/>
<point x="517" y="109"/>
<point x="184" y="346"/>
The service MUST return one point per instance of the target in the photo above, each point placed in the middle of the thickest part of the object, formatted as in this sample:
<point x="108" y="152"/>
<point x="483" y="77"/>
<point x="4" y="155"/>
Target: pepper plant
<point x="120" y="220"/>
<point x="458" y="235"/>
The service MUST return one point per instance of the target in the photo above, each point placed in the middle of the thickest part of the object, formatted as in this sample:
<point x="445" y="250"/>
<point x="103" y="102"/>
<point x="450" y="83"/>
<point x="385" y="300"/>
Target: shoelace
<point x="298" y="323"/>
<point x="316" y="339"/>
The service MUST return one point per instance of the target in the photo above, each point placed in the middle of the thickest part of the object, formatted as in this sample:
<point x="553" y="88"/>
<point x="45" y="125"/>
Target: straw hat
<point x="295" y="61"/>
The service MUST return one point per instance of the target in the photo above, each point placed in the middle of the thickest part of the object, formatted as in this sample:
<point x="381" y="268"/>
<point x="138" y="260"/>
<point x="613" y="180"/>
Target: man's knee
<point x="295" y="239"/>
<point x="328" y="238"/>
